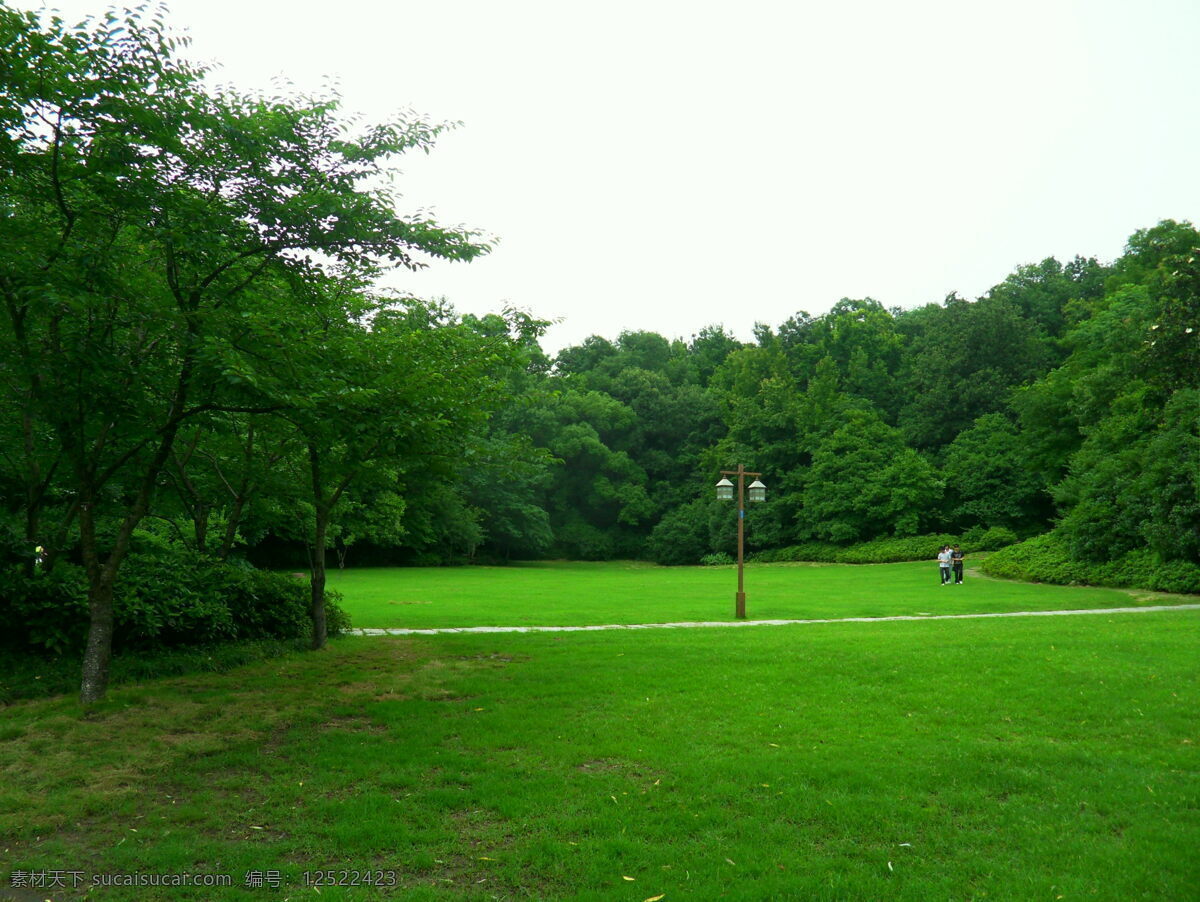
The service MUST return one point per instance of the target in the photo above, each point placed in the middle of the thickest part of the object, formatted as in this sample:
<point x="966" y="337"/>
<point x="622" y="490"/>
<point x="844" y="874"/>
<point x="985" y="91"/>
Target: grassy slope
<point x="572" y="594"/>
<point x="1028" y="758"/>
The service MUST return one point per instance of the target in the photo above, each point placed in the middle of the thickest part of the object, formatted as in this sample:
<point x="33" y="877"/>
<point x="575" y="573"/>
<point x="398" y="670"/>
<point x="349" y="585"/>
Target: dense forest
<point x="199" y="379"/>
<point x="1065" y="399"/>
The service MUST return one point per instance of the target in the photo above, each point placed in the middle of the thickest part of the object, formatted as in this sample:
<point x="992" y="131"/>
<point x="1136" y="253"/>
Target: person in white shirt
<point x="944" y="564"/>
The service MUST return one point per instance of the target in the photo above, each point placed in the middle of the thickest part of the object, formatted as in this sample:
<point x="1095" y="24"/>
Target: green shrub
<point x="877" y="551"/>
<point x="893" y="550"/>
<point x="1047" y="559"/>
<point x="581" y="541"/>
<point x="992" y="539"/>
<point x="717" y="559"/>
<point x="681" y="536"/>
<point x="47" y="611"/>
<point x="169" y="599"/>
<point x="1042" y="559"/>
<point x="265" y="605"/>
<point x="889" y="550"/>
<point x="337" y="621"/>
<point x="164" y="598"/>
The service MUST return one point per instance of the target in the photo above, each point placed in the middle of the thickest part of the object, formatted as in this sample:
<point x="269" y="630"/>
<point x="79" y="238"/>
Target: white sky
<point x="671" y="165"/>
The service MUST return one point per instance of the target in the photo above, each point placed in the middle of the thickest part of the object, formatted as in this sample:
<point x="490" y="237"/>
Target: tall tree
<point x="390" y="396"/>
<point x="963" y="361"/>
<point x="1043" y="292"/>
<point x="989" y="479"/>
<point x="142" y="216"/>
<point x="865" y="483"/>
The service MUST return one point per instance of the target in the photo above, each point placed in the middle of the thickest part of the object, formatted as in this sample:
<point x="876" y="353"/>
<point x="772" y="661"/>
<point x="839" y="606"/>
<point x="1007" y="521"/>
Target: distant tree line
<point x="196" y="372"/>
<point x="1065" y="398"/>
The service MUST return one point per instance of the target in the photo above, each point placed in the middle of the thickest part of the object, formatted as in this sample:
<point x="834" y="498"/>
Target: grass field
<point x="1027" y="758"/>
<point x="574" y="594"/>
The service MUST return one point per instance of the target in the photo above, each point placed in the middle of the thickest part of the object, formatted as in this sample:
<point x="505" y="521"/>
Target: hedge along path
<point x="400" y="631"/>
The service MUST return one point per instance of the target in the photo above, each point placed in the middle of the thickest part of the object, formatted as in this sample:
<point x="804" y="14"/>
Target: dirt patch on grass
<point x="1147" y="597"/>
<point x="353" y="725"/>
<point x="386" y="686"/>
<point x="602" y="766"/>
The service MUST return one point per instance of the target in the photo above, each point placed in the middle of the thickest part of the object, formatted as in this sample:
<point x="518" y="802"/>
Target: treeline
<point x="1065" y="399"/>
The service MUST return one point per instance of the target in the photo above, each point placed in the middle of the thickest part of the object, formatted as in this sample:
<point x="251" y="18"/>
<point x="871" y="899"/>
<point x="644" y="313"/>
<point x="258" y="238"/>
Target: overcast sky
<point x="671" y="165"/>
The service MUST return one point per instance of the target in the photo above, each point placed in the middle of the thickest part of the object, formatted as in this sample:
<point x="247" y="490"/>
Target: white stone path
<point x="655" y="626"/>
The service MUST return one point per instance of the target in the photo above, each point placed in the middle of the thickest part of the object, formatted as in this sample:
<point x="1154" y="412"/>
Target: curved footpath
<point x="397" y="631"/>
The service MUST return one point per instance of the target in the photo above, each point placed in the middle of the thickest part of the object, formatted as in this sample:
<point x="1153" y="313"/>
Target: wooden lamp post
<point x="758" y="492"/>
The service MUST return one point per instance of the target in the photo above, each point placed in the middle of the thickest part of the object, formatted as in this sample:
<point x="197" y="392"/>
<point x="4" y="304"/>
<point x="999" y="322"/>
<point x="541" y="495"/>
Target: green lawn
<point x="575" y="594"/>
<point x="1029" y="758"/>
<point x="1024" y="758"/>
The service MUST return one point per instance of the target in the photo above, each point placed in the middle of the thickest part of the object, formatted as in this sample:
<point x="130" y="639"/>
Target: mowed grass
<point x="1027" y="758"/>
<point x="576" y="594"/>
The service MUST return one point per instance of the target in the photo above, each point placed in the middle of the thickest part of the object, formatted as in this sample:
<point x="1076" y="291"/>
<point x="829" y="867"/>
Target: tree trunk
<point x="98" y="654"/>
<point x="32" y="527"/>
<point x="102" y="575"/>
<point x="317" y="605"/>
<point x="102" y="578"/>
<point x="321" y="514"/>
<point x="200" y="528"/>
<point x="231" y="528"/>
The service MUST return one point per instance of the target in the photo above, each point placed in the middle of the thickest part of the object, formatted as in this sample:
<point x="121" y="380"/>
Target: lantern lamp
<point x="757" y="491"/>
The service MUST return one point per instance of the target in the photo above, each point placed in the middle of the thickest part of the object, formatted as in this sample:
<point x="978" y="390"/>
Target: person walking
<point x="944" y="564"/>
<point x="956" y="563"/>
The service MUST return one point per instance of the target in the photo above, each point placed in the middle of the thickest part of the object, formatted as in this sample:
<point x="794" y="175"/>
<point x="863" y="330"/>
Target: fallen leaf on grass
<point x="485" y="858"/>
<point x="890" y="868"/>
<point x="656" y="898"/>
<point x="630" y="879"/>
<point x="731" y="861"/>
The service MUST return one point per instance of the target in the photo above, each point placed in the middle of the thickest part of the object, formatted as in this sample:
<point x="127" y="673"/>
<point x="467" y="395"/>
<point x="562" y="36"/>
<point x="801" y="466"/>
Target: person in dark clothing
<point x="956" y="562"/>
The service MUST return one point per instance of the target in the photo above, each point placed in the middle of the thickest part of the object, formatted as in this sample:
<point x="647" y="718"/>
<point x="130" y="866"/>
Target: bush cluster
<point x="1047" y="559"/>
<point x="993" y="539"/>
<point x="164" y="599"/>
<point x="889" y="550"/>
